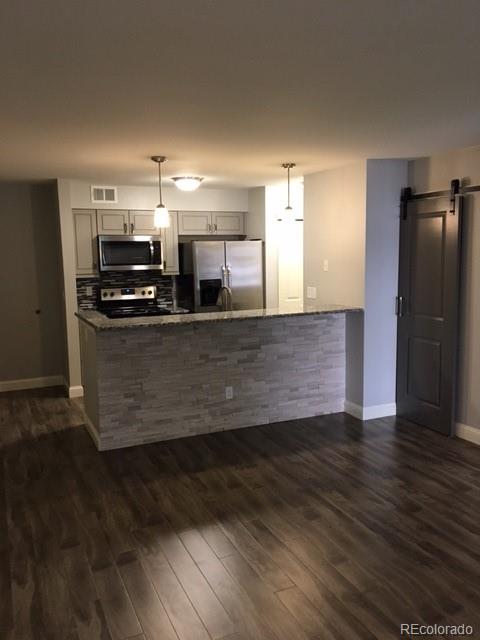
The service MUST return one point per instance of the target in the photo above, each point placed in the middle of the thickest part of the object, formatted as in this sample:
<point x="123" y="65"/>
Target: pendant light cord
<point x="160" y="182"/>
<point x="288" y="187"/>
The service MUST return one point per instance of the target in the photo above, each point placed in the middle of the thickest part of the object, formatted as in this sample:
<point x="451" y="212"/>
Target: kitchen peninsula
<point x="149" y="379"/>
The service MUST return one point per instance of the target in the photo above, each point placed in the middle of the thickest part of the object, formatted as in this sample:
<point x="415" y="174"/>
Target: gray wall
<point x="31" y="345"/>
<point x="256" y="213"/>
<point x="131" y="197"/>
<point x="351" y="219"/>
<point x="434" y="173"/>
<point x="334" y="229"/>
<point x="385" y="180"/>
<point x="70" y="306"/>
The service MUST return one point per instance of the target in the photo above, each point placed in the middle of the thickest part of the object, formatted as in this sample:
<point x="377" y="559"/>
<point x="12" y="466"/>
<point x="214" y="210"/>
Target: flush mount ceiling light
<point x="187" y="183"/>
<point x="161" y="218"/>
<point x="288" y="209"/>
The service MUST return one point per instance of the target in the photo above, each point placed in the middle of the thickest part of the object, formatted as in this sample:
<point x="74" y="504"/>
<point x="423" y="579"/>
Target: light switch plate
<point x="325" y="265"/>
<point x="311" y="293"/>
<point x="228" y="393"/>
<point x="89" y="291"/>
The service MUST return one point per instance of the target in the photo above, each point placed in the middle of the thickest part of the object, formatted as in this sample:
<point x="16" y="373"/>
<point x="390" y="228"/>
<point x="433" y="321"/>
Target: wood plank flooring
<point x="324" y="528"/>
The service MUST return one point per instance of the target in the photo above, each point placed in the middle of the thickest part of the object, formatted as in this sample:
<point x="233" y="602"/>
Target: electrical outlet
<point x="228" y="393"/>
<point x="311" y="293"/>
<point x="89" y="291"/>
<point x="325" y="265"/>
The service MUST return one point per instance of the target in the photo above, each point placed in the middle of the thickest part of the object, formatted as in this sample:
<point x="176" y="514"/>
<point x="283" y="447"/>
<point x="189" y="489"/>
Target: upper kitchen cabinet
<point x="170" y="246"/>
<point x="141" y="223"/>
<point x="112" y="222"/>
<point x="228" y="223"/>
<point x="85" y="225"/>
<point x="200" y="223"/>
<point x="194" y="223"/>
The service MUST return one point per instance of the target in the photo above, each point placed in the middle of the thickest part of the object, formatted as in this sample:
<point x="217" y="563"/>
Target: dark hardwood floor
<point x="318" y="528"/>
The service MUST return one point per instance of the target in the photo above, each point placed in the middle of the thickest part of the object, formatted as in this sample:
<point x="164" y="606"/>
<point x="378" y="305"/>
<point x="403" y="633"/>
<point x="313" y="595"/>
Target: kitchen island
<point x="149" y="379"/>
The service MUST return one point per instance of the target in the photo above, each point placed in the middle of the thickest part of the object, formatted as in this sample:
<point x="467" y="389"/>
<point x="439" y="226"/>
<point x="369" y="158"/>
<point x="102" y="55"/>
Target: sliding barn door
<point x="428" y="302"/>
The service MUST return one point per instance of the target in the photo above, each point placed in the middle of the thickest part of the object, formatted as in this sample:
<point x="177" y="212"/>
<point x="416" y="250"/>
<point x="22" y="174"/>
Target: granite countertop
<point x="101" y="323"/>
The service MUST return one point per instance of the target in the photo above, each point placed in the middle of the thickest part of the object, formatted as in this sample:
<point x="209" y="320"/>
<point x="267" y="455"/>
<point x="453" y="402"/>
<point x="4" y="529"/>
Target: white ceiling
<point x="230" y="89"/>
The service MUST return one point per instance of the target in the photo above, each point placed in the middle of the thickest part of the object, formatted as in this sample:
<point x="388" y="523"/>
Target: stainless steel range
<point x="130" y="302"/>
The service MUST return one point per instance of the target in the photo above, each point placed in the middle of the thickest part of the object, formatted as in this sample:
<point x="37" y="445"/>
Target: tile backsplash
<point x="122" y="279"/>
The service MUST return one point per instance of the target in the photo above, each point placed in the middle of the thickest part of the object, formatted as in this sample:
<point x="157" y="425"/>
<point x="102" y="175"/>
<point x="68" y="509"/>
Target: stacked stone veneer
<point x="165" y="382"/>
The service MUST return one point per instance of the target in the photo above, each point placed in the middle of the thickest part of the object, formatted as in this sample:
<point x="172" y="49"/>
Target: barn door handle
<point x="399" y="306"/>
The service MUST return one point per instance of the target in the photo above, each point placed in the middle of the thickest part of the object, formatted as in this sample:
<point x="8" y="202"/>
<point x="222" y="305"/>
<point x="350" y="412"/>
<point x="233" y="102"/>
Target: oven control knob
<point x="143" y="293"/>
<point x="104" y="294"/>
<point x="149" y="293"/>
<point x="112" y="294"/>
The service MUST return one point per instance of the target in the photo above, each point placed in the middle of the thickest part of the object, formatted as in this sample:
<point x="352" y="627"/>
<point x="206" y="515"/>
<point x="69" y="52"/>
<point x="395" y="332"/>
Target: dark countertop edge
<point x="200" y="318"/>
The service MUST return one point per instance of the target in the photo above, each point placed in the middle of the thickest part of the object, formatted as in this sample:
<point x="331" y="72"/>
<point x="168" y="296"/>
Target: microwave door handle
<point x="151" y="252"/>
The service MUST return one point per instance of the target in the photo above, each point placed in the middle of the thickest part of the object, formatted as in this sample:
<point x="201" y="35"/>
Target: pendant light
<point x="187" y="183"/>
<point x="161" y="218"/>
<point x="288" y="209"/>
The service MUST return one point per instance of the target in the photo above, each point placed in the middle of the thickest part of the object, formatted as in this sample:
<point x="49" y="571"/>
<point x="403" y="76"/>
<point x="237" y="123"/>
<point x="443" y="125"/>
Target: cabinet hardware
<point x="215" y="227"/>
<point x="132" y="227"/>
<point x="125" y="228"/>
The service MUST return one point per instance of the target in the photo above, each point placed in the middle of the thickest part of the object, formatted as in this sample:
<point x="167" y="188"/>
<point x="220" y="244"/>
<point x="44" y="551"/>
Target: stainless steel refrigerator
<point x="236" y="266"/>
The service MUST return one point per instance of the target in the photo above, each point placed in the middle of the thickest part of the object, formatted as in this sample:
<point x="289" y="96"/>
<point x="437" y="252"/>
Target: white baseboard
<point x="369" y="413"/>
<point x="31" y="383"/>
<point x="465" y="432"/>
<point x="353" y="409"/>
<point x="92" y="431"/>
<point x="75" y="392"/>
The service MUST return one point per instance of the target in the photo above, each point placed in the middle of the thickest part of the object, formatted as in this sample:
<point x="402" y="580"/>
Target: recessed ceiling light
<point x="187" y="183"/>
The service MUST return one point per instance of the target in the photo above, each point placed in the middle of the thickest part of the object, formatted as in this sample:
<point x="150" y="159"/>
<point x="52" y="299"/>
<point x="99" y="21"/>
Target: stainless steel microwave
<point x="130" y="253"/>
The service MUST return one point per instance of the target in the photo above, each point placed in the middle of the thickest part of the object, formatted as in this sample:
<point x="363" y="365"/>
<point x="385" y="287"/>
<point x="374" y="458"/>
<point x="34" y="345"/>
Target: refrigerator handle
<point x="224" y="282"/>
<point x="229" y="276"/>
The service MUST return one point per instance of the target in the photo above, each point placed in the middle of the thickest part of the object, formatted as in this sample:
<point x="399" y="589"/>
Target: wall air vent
<point x="103" y="194"/>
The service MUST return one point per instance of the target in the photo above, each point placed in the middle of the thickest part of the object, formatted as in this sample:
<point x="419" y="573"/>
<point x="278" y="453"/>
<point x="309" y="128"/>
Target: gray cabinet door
<point x="194" y="223"/>
<point x="85" y="228"/>
<point x="112" y="222"/>
<point x="228" y="223"/>
<point x="140" y="223"/>
<point x="170" y="246"/>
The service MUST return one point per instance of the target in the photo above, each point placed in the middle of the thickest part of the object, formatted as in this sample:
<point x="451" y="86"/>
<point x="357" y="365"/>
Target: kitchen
<point x="238" y="384"/>
<point x="198" y="281"/>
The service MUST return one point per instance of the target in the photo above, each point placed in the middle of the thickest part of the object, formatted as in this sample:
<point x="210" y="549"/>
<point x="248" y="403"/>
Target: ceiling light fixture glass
<point x="161" y="217"/>
<point x="187" y="183"/>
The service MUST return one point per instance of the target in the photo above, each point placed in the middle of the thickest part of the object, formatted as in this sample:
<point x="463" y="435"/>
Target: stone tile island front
<point x="152" y="379"/>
